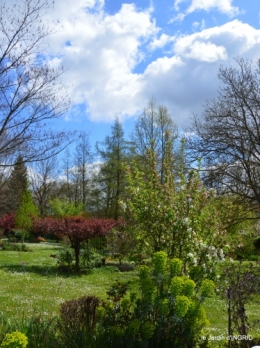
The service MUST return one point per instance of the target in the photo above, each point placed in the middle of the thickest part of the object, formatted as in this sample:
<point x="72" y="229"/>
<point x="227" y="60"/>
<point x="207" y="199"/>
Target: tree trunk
<point x="76" y="248"/>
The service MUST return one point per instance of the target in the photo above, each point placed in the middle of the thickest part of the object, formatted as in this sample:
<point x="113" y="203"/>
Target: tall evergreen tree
<point x="16" y="185"/>
<point x="114" y="150"/>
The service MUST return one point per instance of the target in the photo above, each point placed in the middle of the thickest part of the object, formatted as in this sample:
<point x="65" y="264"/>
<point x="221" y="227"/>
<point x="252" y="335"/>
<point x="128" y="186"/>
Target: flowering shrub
<point x="179" y="215"/>
<point x="15" y="340"/>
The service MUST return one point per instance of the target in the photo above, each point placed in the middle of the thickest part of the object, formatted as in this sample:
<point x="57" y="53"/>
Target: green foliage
<point x="7" y="245"/>
<point x="15" y="340"/>
<point x="178" y="215"/>
<point x="90" y="258"/>
<point x="17" y="183"/>
<point x="207" y="288"/>
<point x="25" y="213"/>
<point x="159" y="263"/>
<point x="114" y="151"/>
<point x="65" y="258"/>
<point x="61" y="208"/>
<point x="165" y="313"/>
<point x="175" y="266"/>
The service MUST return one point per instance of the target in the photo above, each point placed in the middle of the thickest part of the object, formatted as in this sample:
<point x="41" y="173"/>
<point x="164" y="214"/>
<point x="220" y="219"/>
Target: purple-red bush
<point x="77" y="228"/>
<point x="8" y="221"/>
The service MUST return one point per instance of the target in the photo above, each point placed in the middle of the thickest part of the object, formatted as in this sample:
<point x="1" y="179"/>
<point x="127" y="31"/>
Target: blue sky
<point x="119" y="54"/>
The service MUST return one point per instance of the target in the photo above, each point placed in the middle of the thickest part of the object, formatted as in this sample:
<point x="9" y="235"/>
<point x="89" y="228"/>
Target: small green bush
<point x="65" y="258"/>
<point x="15" y="340"/>
<point x="90" y="259"/>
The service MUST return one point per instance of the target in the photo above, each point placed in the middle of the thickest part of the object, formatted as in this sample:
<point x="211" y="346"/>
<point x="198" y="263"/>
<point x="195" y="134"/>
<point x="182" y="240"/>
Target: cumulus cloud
<point x="161" y="42"/>
<point x="223" y="6"/>
<point x="102" y="53"/>
<point x="184" y="81"/>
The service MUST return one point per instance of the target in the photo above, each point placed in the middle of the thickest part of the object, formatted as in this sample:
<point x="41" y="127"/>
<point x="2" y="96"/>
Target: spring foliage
<point x="159" y="315"/>
<point x="15" y="340"/>
<point x="179" y="216"/>
<point x="26" y="211"/>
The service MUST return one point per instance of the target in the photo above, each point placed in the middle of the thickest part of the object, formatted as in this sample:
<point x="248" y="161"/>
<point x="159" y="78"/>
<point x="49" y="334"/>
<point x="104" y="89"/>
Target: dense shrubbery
<point x="166" y="312"/>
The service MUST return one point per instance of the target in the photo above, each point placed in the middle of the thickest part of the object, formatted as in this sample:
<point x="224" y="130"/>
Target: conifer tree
<point x="111" y="180"/>
<point x="16" y="185"/>
<point x="25" y="213"/>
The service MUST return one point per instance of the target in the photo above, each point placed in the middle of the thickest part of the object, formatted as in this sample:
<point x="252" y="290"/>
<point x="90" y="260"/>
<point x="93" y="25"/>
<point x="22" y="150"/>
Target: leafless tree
<point x="30" y="88"/>
<point x="227" y="136"/>
<point x="44" y="180"/>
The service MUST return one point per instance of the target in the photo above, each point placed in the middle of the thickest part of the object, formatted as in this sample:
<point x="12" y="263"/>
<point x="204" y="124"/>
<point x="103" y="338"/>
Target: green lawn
<point x="31" y="282"/>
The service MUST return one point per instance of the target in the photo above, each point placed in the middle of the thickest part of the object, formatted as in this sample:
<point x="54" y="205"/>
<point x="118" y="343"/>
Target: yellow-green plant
<point x="166" y="311"/>
<point x="25" y="214"/>
<point x="15" y="340"/>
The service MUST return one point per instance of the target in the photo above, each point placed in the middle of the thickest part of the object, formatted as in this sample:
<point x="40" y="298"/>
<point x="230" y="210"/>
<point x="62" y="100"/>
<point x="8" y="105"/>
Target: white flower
<point x="186" y="221"/>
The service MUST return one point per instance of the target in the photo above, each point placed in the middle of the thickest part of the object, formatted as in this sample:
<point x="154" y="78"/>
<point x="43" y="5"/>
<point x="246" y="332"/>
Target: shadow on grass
<point x="43" y="270"/>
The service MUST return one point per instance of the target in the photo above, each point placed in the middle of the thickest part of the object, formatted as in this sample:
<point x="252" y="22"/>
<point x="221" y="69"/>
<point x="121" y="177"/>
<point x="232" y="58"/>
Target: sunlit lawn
<point x="31" y="282"/>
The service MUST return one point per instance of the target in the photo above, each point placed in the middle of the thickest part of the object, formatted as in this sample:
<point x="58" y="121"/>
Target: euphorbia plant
<point x="77" y="228"/>
<point x="165" y="312"/>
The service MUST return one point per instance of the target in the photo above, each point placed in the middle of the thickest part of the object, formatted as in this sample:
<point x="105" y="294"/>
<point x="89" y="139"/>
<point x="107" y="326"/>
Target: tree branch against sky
<point x="29" y="84"/>
<point x="227" y="138"/>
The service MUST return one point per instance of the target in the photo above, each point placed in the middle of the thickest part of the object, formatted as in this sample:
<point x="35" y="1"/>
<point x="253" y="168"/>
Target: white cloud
<point x="161" y="42"/>
<point x="229" y="40"/>
<point x="223" y="6"/>
<point x="204" y="51"/>
<point x="184" y="81"/>
<point x="101" y="51"/>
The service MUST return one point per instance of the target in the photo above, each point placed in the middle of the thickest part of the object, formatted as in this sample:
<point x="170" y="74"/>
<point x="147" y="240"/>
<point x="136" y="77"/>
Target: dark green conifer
<point x="16" y="185"/>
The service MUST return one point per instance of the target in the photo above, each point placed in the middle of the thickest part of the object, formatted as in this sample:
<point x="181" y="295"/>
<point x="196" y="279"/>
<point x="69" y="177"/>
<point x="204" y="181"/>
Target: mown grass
<point x="32" y="283"/>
